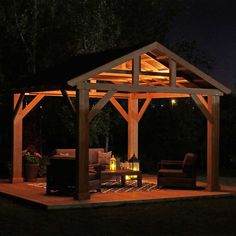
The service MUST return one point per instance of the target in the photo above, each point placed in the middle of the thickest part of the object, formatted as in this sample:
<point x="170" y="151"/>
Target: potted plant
<point x="31" y="164"/>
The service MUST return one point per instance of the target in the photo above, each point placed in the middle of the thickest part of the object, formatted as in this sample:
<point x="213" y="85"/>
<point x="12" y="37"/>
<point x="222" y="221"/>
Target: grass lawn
<point x="199" y="217"/>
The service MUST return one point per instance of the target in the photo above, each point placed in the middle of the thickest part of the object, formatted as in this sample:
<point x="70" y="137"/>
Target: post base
<point x="17" y="180"/>
<point x="215" y="188"/>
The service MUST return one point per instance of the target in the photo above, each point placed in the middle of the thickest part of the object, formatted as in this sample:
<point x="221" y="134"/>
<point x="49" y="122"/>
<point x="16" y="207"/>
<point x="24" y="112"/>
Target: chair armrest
<point x="166" y="164"/>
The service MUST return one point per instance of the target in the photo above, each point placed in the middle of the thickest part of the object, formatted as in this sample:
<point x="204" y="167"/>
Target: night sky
<point x="212" y="23"/>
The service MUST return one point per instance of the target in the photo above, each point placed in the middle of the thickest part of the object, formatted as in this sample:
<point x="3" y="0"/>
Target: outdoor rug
<point x="130" y="186"/>
<point x="115" y="187"/>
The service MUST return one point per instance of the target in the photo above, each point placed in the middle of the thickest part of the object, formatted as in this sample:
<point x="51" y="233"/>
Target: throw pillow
<point x="104" y="157"/>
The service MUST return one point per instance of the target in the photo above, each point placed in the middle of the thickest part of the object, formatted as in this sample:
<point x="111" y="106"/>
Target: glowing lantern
<point x="134" y="163"/>
<point x="113" y="163"/>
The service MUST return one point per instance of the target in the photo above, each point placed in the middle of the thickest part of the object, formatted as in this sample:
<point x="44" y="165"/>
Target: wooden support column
<point x="172" y="66"/>
<point x="16" y="175"/>
<point x="68" y="101"/>
<point x="132" y="126"/>
<point x="213" y="130"/>
<point x="82" y="144"/>
<point x="136" y="70"/>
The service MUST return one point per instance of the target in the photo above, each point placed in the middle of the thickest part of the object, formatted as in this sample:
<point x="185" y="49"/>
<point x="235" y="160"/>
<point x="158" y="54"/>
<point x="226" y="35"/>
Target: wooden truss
<point x="150" y="72"/>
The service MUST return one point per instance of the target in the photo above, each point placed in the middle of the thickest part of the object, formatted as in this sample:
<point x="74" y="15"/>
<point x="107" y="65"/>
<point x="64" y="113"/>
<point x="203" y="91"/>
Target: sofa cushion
<point x="104" y="157"/>
<point x="93" y="155"/>
<point x="65" y="152"/>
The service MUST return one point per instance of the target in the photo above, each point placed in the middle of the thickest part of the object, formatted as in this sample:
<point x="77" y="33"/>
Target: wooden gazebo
<point x="145" y="73"/>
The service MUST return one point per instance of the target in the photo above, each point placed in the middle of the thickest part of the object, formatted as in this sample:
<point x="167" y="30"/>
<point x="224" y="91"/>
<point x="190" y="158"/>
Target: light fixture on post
<point x="173" y="102"/>
<point x="113" y="163"/>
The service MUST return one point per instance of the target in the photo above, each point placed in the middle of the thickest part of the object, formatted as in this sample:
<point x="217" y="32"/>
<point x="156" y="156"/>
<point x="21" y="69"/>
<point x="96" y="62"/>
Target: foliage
<point x="32" y="157"/>
<point x="37" y="34"/>
<point x="40" y="33"/>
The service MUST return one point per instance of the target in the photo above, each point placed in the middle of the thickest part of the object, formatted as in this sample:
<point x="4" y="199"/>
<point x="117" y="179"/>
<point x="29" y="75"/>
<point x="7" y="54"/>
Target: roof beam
<point x="119" y="108"/>
<point x="32" y="104"/>
<point x="202" y="108"/>
<point x="18" y="104"/>
<point x="192" y="68"/>
<point x="148" y="89"/>
<point x="144" y="108"/>
<point x="129" y="72"/>
<point x="159" y="95"/>
<point x="109" y="65"/>
<point x="100" y="104"/>
<point x="68" y="100"/>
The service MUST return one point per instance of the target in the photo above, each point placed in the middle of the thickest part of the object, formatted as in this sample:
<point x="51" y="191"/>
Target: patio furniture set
<point x="61" y="172"/>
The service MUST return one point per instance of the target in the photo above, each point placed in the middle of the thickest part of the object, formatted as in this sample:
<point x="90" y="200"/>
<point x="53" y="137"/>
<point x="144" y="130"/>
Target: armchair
<point x="177" y="173"/>
<point x="61" y="175"/>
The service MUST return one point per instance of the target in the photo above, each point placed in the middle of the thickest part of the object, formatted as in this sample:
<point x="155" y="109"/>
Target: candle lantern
<point x="113" y="163"/>
<point x="134" y="163"/>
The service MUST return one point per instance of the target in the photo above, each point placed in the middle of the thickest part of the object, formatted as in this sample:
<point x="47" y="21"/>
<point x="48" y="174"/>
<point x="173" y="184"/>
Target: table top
<point x="120" y="172"/>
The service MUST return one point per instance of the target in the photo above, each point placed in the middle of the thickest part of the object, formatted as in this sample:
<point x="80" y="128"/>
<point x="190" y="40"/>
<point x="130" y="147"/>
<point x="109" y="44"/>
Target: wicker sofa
<point x="61" y="170"/>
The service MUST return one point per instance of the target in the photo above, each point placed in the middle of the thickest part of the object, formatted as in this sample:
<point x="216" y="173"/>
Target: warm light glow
<point x="113" y="163"/>
<point x="173" y="102"/>
<point x="128" y="177"/>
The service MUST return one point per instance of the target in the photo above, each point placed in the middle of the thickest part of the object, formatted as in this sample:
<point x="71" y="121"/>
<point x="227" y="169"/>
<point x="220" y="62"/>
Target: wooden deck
<point x="36" y="196"/>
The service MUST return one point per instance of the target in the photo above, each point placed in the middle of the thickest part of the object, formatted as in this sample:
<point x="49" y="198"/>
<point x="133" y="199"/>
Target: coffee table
<point x="122" y="174"/>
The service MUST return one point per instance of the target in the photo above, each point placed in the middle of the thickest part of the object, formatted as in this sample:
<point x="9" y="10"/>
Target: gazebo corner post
<point x="213" y="134"/>
<point x="132" y="126"/>
<point x="17" y="144"/>
<point x="82" y="144"/>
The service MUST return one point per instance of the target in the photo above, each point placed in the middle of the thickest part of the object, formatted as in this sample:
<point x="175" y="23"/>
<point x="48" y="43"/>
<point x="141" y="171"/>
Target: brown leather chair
<point x="177" y="173"/>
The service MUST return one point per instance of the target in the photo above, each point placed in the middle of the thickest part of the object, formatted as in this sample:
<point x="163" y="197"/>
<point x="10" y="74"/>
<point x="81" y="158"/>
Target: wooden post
<point x="135" y="70"/>
<point x="132" y="126"/>
<point x="16" y="175"/>
<point x="172" y="66"/>
<point x="82" y="144"/>
<point x="213" y="130"/>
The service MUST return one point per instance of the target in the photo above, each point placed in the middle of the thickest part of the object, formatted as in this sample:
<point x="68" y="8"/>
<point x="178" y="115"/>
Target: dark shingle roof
<point x="56" y="77"/>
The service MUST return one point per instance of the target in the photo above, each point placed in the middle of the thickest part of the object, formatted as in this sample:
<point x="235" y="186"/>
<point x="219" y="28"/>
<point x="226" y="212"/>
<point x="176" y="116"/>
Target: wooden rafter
<point x="119" y="108"/>
<point x="68" y="100"/>
<point x="148" y="66"/>
<point x="143" y="109"/>
<point x="203" y="101"/>
<point x="109" y="65"/>
<point x="202" y="108"/>
<point x="190" y="67"/>
<point x="18" y="104"/>
<point x="148" y="89"/>
<point x="32" y="104"/>
<point x="57" y="93"/>
<point x="160" y="95"/>
<point x="164" y="60"/>
<point x="128" y="73"/>
<point x="100" y="104"/>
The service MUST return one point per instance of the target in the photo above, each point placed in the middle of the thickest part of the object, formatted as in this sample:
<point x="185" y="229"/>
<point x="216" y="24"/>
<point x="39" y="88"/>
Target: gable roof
<point x="86" y="66"/>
